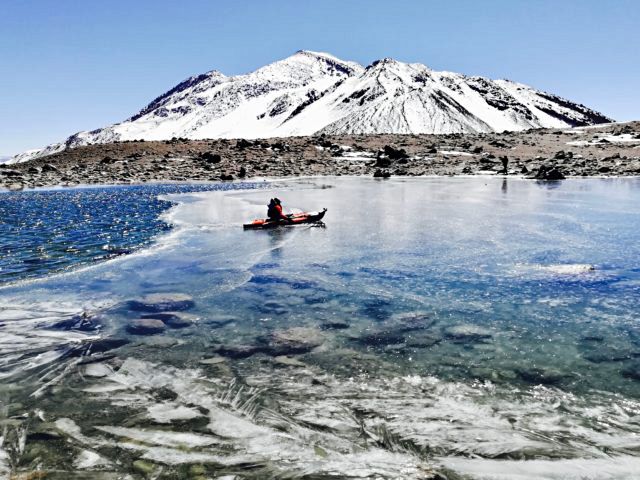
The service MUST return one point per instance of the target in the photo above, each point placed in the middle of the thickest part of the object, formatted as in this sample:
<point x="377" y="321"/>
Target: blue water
<point x="47" y="231"/>
<point x="527" y="299"/>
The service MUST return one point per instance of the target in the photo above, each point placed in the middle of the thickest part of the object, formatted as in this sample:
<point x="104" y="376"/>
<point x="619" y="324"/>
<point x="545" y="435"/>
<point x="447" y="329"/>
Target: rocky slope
<point x="312" y="93"/>
<point x="612" y="149"/>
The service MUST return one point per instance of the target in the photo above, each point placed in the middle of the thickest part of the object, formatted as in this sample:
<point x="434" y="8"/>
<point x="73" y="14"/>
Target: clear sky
<point x="70" y="65"/>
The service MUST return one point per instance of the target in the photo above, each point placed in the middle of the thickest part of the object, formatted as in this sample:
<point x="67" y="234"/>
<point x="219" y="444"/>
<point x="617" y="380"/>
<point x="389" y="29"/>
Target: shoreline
<point x="86" y="186"/>
<point x="601" y="151"/>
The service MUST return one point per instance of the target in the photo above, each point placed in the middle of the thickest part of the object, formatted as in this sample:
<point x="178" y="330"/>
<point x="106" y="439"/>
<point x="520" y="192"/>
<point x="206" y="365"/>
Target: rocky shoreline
<point x="548" y="154"/>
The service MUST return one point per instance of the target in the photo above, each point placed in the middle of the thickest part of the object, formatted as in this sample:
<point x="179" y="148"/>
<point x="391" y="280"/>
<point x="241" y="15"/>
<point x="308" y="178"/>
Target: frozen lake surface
<point x="466" y="326"/>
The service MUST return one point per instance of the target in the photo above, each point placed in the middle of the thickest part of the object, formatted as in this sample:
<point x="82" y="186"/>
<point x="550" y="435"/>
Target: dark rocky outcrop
<point x="395" y="153"/>
<point x="211" y="157"/>
<point x="383" y="162"/>
<point x="548" y="173"/>
<point x="243" y="143"/>
<point x="381" y="174"/>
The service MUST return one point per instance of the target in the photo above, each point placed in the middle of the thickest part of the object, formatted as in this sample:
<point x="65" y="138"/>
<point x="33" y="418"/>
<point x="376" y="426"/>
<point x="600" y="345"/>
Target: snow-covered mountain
<point x="310" y="92"/>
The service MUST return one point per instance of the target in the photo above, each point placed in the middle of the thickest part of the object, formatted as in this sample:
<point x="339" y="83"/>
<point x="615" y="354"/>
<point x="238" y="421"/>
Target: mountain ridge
<point x="311" y="93"/>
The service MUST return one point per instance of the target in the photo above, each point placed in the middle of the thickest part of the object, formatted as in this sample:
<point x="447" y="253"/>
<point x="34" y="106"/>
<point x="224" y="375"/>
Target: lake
<point x="473" y="326"/>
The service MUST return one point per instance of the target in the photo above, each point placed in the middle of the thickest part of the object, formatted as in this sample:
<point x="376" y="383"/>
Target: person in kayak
<point x="274" y="211"/>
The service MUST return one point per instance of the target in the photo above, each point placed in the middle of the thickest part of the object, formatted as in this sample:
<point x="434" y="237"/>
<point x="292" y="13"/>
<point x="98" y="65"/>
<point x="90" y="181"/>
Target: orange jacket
<point x="278" y="209"/>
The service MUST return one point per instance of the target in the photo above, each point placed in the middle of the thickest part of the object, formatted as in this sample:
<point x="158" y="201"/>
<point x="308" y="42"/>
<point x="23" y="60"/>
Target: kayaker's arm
<point x="282" y="215"/>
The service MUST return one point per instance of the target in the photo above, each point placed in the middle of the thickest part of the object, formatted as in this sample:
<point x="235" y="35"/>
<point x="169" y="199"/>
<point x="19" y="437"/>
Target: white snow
<point x="455" y="153"/>
<point x="622" y="138"/>
<point x="356" y="156"/>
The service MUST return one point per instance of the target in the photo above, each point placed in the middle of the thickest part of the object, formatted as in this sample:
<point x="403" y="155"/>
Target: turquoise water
<point x="452" y="324"/>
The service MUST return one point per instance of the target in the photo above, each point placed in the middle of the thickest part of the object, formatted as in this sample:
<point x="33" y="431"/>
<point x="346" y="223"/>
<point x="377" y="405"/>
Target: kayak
<point x="295" y="219"/>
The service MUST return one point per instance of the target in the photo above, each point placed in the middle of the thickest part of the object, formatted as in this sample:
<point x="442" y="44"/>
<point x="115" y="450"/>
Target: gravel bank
<point x="610" y="150"/>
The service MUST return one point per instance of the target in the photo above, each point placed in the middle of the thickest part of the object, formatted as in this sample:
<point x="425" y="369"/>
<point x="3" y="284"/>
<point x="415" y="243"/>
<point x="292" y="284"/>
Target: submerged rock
<point x="380" y="337"/>
<point x="212" y="360"/>
<point x="408" y="322"/>
<point x="285" y="361"/>
<point x="604" y="353"/>
<point x="293" y="340"/>
<point x="467" y="333"/>
<point x="173" y="319"/>
<point x="218" y="321"/>
<point x="539" y="376"/>
<point x="146" y="326"/>
<point x="160" y="342"/>
<point x="632" y="371"/>
<point x="162" y="302"/>
<point x="396" y="329"/>
<point x="422" y="340"/>
<point x="336" y="325"/>
<point x="238" y="351"/>
<point x="271" y="307"/>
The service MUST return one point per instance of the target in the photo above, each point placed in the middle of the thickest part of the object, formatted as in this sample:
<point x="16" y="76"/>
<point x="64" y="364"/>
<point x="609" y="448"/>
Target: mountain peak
<point x="313" y="92"/>
<point x="385" y="61"/>
<point x="309" y="58"/>
<point x="391" y="63"/>
<point x="302" y="61"/>
<point x="313" y="54"/>
<point x="215" y="74"/>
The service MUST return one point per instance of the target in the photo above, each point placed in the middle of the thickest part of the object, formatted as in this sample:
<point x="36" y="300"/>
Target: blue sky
<point x="70" y="65"/>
